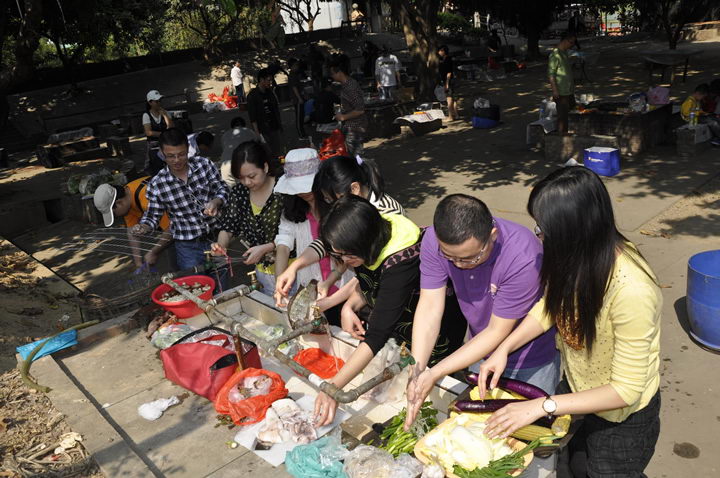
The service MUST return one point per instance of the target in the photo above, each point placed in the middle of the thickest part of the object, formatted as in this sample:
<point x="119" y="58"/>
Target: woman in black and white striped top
<point x="338" y="177"/>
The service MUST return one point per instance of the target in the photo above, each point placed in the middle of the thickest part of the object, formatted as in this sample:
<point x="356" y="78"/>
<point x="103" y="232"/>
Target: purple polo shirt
<point x="507" y="285"/>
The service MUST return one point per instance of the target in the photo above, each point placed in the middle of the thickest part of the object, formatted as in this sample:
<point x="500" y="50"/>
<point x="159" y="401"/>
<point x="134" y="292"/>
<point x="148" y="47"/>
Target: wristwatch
<point x="549" y="406"/>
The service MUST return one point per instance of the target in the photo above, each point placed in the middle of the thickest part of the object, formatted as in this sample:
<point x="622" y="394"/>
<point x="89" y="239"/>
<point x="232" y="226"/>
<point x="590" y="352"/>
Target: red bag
<point x="203" y="368"/>
<point x="318" y="362"/>
<point x="253" y="409"/>
<point x="333" y="145"/>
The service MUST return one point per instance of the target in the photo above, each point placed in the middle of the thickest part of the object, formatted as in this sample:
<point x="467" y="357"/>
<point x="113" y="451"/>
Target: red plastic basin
<point x="184" y="309"/>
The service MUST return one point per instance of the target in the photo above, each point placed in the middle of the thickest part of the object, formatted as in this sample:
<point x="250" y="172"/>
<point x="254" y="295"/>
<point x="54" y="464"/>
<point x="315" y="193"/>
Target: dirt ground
<point x="33" y="300"/>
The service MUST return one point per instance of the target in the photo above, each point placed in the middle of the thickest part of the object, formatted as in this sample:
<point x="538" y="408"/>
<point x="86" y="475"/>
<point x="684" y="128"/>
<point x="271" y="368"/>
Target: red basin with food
<point x="167" y="298"/>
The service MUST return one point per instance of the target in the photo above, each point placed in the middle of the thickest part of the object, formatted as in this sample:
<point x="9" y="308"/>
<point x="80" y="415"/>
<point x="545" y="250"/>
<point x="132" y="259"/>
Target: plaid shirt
<point x="185" y="202"/>
<point x="351" y="99"/>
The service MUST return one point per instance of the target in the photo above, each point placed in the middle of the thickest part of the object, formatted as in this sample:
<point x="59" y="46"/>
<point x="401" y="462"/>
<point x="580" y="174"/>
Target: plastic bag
<point x="251" y="410"/>
<point x="369" y="462"/>
<point x="59" y="342"/>
<point x="407" y="466"/>
<point x="658" y="95"/>
<point x="154" y="410"/>
<point x="166" y="336"/>
<point x="320" y="363"/>
<point x="440" y="93"/>
<point x="391" y="390"/>
<point x="319" y="459"/>
<point x="481" y="103"/>
<point x="333" y="145"/>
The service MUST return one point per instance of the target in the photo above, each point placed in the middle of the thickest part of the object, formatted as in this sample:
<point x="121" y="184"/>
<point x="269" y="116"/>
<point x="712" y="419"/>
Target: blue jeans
<point x="545" y="376"/>
<point x="190" y="253"/>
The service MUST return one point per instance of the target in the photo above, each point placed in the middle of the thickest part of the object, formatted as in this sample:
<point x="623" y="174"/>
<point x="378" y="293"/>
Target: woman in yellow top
<point x="253" y="211"/>
<point x="606" y="304"/>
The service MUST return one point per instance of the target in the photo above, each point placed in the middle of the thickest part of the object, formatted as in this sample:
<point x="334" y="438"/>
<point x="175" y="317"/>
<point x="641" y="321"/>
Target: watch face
<point x="549" y="405"/>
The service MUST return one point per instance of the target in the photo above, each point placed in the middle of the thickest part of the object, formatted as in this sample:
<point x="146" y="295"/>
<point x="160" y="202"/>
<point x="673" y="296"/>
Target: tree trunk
<point x="420" y="28"/>
<point x="27" y="43"/>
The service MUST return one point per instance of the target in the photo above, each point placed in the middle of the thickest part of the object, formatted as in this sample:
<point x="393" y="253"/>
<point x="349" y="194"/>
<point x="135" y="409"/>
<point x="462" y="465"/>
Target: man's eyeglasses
<point x="473" y="261"/>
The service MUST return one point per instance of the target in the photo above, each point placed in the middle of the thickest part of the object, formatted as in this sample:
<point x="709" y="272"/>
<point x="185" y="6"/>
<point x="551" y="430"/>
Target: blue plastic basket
<point x="604" y="161"/>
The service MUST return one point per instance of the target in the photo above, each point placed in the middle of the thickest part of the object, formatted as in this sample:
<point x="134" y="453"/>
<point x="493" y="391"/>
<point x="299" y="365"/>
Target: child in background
<point x="692" y="105"/>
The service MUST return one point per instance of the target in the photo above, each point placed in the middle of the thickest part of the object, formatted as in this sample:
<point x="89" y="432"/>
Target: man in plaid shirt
<point x="191" y="191"/>
<point x="353" y="117"/>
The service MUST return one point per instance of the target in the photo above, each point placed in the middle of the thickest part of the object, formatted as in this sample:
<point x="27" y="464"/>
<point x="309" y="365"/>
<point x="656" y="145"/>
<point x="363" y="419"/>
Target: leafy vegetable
<point x="502" y="468"/>
<point x="401" y="441"/>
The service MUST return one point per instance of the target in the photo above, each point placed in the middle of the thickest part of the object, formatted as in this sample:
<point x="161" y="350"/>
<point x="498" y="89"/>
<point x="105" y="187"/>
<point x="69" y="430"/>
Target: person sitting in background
<point x="191" y="192"/>
<point x="253" y="211"/>
<point x="238" y="134"/>
<point x="387" y="74"/>
<point x="155" y="120"/>
<point x="691" y="107"/>
<point x="130" y="203"/>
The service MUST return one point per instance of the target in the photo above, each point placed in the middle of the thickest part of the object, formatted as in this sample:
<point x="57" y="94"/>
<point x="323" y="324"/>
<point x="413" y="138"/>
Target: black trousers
<point x="604" y="449"/>
<point x="300" y="119"/>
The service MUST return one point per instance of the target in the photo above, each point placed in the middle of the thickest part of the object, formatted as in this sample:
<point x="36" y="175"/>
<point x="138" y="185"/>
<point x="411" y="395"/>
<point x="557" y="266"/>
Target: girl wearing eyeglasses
<point x="603" y="298"/>
<point x="384" y="251"/>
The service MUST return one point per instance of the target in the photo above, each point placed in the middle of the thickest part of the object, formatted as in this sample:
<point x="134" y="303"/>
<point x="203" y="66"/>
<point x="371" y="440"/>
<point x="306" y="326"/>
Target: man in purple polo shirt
<point x="494" y="266"/>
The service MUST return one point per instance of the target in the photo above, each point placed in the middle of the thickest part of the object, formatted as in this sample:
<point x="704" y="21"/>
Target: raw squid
<point x="285" y="421"/>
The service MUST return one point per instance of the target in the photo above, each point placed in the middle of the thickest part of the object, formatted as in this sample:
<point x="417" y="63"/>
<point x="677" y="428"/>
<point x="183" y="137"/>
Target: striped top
<point x="385" y="205"/>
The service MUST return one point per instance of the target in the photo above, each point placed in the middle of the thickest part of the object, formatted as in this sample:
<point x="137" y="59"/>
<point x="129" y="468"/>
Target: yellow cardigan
<point x="626" y="351"/>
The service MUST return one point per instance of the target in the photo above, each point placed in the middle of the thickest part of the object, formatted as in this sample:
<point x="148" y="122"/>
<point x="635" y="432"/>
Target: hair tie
<point x="358" y="159"/>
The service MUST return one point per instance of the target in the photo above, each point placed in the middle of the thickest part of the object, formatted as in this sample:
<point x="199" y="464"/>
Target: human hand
<point x="418" y="389"/>
<point x="351" y="323"/>
<point x="325" y="408"/>
<point x="323" y="288"/>
<point x="514" y="416"/>
<point x="493" y="365"/>
<point x="140" y="229"/>
<point x="212" y="208"/>
<point x="254" y="254"/>
<point x="217" y="249"/>
<point x="284" y="281"/>
<point x="339" y="117"/>
<point x="280" y="300"/>
<point x="323" y="304"/>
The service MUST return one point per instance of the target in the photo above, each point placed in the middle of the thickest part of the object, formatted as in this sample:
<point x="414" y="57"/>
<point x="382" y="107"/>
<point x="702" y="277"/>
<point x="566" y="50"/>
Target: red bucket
<point x="184" y="308"/>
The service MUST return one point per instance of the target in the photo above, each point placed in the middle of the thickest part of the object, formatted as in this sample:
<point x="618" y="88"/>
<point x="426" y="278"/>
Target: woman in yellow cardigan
<point x="606" y="304"/>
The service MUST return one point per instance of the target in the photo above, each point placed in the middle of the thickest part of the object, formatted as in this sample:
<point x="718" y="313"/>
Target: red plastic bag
<point x="231" y="102"/>
<point x="333" y="145"/>
<point x="318" y="362"/>
<point x="253" y="409"/>
<point x="203" y="367"/>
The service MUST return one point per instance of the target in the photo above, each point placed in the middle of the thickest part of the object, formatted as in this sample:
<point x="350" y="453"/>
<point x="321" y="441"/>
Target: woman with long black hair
<point x="384" y="251"/>
<point x="606" y="304"/>
<point x="338" y="177"/>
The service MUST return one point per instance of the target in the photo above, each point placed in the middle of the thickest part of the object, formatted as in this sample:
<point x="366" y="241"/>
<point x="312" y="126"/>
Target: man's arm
<point x="154" y="212"/>
<point x="152" y="255"/>
<point x="252" y="110"/>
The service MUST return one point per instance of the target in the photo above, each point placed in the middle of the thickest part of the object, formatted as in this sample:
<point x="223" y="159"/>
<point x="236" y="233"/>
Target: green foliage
<point x="453" y="22"/>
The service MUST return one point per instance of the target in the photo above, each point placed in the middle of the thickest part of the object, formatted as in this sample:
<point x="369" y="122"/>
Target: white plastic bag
<point x="154" y="410"/>
<point x="481" y="103"/>
<point x="394" y="389"/>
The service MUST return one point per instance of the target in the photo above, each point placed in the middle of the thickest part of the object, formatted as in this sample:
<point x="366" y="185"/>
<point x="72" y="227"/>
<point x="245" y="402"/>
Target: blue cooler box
<point x="604" y="161"/>
<point x="483" y="123"/>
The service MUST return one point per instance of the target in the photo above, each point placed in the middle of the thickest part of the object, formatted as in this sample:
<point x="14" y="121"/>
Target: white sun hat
<point x="300" y="167"/>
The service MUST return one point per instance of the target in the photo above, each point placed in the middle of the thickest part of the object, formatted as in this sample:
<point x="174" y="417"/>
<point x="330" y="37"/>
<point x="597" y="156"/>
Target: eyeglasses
<point x="538" y="232"/>
<point x="472" y="261"/>
<point x="338" y="256"/>
<point x="176" y="156"/>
